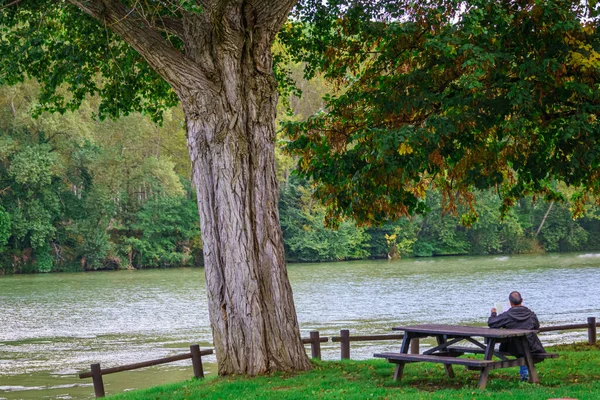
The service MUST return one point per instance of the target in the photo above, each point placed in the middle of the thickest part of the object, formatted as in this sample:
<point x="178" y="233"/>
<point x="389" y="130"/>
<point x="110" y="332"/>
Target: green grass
<point x="576" y="374"/>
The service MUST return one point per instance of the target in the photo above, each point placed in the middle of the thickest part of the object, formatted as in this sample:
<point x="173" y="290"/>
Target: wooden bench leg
<point x="449" y="370"/>
<point x="447" y="367"/>
<point x="483" y="377"/>
<point x="403" y="349"/>
<point x="399" y="371"/>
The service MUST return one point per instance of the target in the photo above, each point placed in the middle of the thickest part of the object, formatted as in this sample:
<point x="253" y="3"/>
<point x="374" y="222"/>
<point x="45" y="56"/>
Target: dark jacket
<point x="517" y="318"/>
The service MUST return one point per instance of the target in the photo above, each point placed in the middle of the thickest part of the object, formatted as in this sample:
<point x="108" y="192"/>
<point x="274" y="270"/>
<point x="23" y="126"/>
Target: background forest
<point x="77" y="194"/>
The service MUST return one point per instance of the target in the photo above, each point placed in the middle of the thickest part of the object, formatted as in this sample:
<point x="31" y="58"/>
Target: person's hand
<point x="493" y="310"/>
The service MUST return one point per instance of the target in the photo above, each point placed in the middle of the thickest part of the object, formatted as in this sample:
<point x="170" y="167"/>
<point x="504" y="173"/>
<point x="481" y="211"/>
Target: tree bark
<point x="231" y="139"/>
<point x="228" y="92"/>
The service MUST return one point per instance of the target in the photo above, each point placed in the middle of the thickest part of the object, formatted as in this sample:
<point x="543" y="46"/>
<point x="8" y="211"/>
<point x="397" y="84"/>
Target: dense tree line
<point x="79" y="194"/>
<point x="530" y="226"/>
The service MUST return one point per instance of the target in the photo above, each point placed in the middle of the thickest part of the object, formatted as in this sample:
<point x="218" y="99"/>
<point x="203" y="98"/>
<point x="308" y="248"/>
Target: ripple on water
<point x="28" y="388"/>
<point x="64" y="373"/>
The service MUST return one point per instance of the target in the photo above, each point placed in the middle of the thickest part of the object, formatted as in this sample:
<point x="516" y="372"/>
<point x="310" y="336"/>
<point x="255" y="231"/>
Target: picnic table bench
<point x="448" y="354"/>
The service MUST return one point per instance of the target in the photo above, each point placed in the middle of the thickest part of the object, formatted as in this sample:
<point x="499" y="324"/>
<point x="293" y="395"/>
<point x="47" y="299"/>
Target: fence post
<point x="97" y="379"/>
<point x="345" y="343"/>
<point x="197" y="361"/>
<point x="592" y="330"/>
<point x="315" y="345"/>
<point x="414" y="346"/>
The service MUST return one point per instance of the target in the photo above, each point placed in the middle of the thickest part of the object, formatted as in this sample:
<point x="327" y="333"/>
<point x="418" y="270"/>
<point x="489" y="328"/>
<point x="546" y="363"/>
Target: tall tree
<point x="215" y="55"/>
<point x="425" y="97"/>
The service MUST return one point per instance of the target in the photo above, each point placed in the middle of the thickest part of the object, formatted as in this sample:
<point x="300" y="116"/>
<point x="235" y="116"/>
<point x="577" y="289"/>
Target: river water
<point x="54" y="326"/>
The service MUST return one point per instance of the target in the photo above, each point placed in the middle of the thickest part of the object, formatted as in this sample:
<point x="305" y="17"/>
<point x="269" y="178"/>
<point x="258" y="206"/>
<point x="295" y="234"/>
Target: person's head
<point x="515" y="299"/>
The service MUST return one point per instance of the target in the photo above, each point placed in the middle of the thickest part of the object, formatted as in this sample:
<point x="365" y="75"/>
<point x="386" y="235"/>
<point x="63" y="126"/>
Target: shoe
<point x="524" y="378"/>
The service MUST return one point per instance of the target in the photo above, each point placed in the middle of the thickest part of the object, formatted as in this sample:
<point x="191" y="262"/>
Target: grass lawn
<point x="576" y="374"/>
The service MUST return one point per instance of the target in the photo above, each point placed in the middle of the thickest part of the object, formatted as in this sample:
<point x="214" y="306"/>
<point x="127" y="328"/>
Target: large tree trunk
<point x="228" y="92"/>
<point x="231" y="139"/>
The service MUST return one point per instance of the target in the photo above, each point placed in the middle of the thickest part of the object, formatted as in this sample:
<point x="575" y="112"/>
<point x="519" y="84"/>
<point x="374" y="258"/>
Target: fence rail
<point x="364" y="338"/>
<point x="345" y="340"/>
<point x="591" y="326"/>
<point x="97" y="372"/>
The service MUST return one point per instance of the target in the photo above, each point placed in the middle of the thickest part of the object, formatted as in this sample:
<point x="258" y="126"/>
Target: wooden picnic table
<point x="447" y="353"/>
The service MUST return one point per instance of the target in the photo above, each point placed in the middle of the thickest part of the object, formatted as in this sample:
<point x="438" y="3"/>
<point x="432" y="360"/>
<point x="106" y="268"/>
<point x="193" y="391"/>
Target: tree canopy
<point x="73" y="56"/>
<point x="459" y="95"/>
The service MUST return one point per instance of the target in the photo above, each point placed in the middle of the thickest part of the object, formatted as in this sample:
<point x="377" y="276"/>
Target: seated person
<point x="517" y="317"/>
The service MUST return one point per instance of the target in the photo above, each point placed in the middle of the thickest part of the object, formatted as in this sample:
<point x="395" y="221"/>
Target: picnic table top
<point x="457" y="330"/>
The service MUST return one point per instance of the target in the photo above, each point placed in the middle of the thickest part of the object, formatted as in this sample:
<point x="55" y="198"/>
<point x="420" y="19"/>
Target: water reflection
<point x="52" y="326"/>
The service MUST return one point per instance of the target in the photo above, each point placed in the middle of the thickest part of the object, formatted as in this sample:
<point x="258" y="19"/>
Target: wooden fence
<point x="314" y="340"/>
<point x="195" y="354"/>
<point x="96" y="372"/>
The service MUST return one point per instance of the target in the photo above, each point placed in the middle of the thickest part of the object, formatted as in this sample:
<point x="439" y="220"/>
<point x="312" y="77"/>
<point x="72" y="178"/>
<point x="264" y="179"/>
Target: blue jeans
<point x="524" y="372"/>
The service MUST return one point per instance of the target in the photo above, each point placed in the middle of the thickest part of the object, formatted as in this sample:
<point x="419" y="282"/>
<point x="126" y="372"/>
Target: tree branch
<point x="272" y="14"/>
<point x="14" y="3"/>
<point x="178" y="70"/>
<point x="170" y="25"/>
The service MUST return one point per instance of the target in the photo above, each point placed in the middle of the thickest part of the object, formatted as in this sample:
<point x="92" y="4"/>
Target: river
<point x="54" y="326"/>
